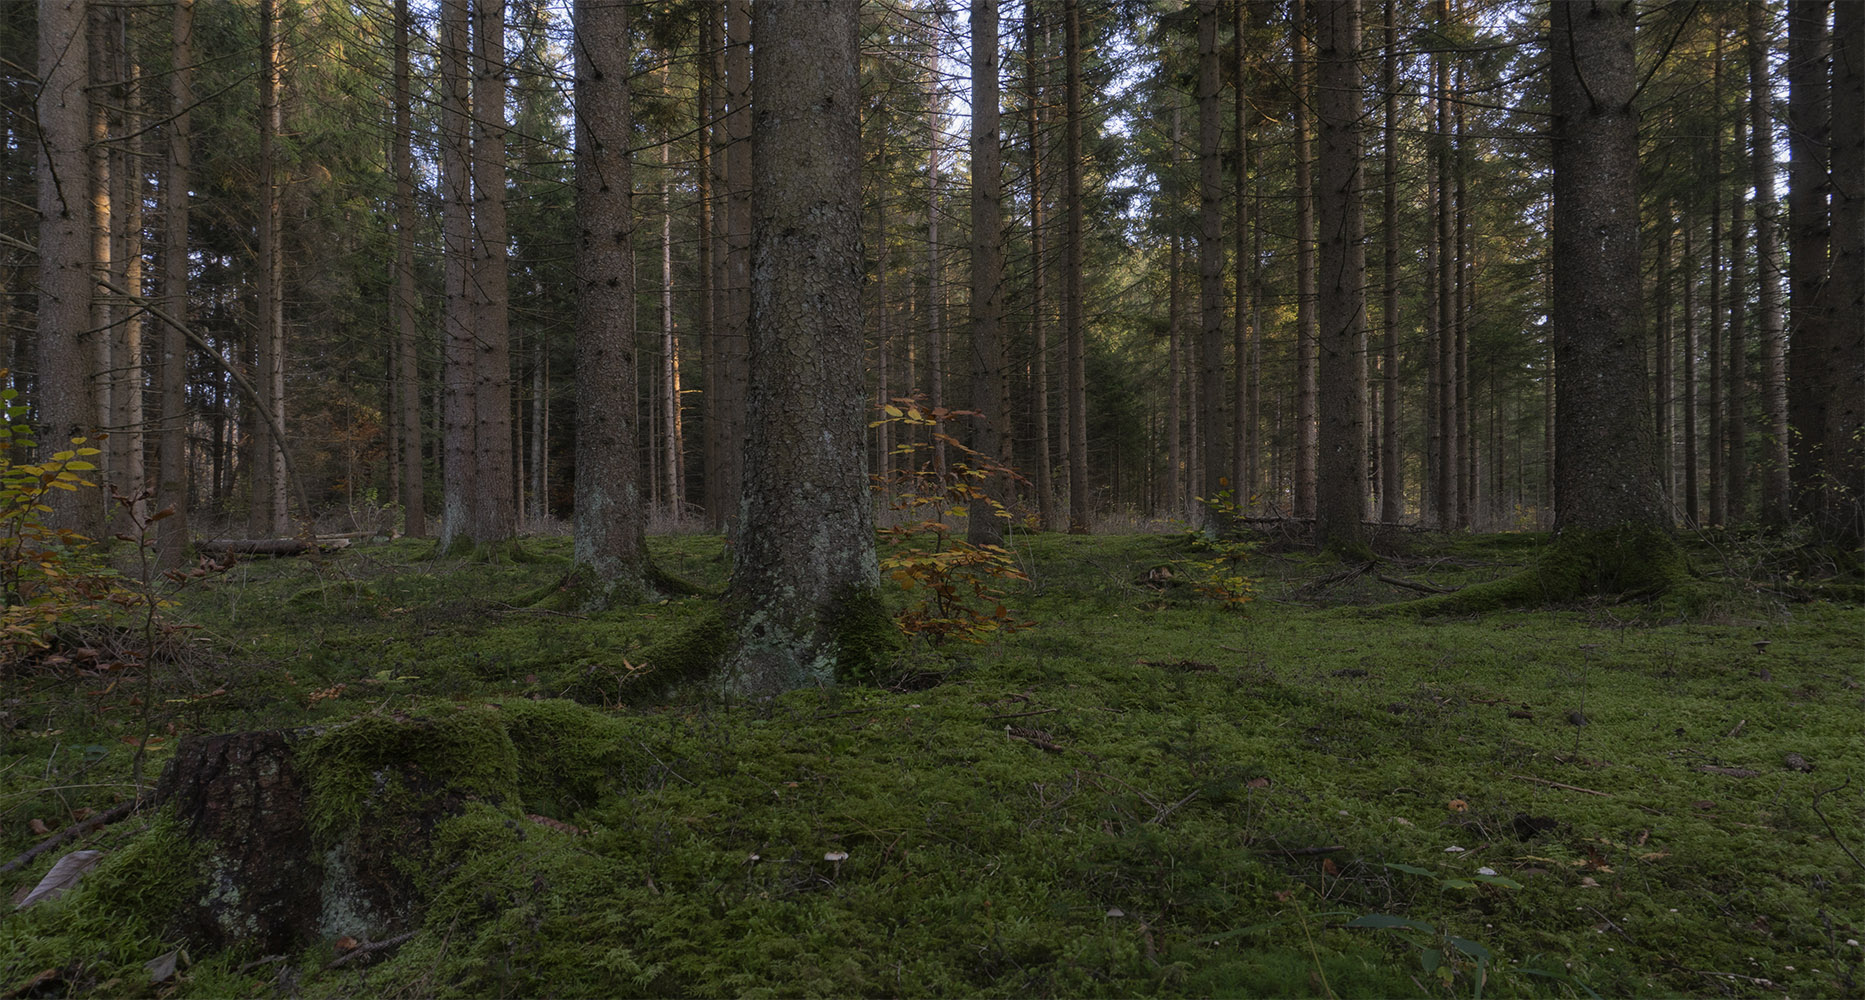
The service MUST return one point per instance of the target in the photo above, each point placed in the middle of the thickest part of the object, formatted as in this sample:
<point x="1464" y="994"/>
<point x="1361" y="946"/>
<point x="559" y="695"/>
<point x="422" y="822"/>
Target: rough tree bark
<point x="1214" y="457"/>
<point x="1306" y="328"/>
<point x="803" y="581"/>
<point x="459" y="487"/>
<point x="989" y="390"/>
<point x="1072" y="305"/>
<point x="495" y="512"/>
<point x="1775" y="508"/>
<point x="1039" y="325"/>
<point x="407" y="374"/>
<point x="172" y="443"/>
<point x="1340" y="496"/>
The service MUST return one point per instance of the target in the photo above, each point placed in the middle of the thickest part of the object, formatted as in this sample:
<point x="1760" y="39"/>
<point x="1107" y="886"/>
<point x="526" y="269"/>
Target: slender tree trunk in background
<point x="710" y="180"/>
<point x="1391" y="474"/>
<point x="1690" y="489"/>
<point x="1665" y="369"/>
<point x="460" y="490"/>
<point x="102" y="364"/>
<point x="806" y="563"/>
<point x="1072" y="304"/>
<point x="1340" y="497"/>
<point x="1306" y="329"/>
<point x="1446" y="415"/>
<point x="737" y="284"/>
<point x="1605" y="464"/>
<point x="1736" y="430"/>
<point x="1430" y="485"/>
<point x="883" y="331"/>
<point x="1177" y="499"/>
<point x="989" y="395"/>
<point x="611" y="526"/>
<point x="1775" y="506"/>
<point x="125" y="337"/>
<point x="1809" y="383"/>
<point x="270" y="512"/>
<point x="1242" y="432"/>
<point x="172" y="459"/>
<point x="672" y="454"/>
<point x="496" y="513"/>
<point x="1463" y="423"/>
<point x="407" y="318"/>
<point x="1719" y="506"/>
<point x="1843" y="514"/>
<point x="1214" y="454"/>
<point x="1039" y="302"/>
<point x="935" y="283"/>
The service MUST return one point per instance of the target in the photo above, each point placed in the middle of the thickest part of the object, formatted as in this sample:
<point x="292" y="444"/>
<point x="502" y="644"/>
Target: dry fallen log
<point x="269" y="546"/>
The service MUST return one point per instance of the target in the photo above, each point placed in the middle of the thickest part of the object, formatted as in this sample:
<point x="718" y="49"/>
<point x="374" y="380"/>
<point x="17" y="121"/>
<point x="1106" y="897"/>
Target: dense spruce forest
<point x="932" y="497"/>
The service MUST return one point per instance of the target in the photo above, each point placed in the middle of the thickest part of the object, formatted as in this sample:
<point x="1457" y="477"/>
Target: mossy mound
<point x="1631" y="563"/>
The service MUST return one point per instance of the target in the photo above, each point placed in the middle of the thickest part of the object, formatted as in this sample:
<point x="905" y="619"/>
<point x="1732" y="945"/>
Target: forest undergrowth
<point x="1148" y="790"/>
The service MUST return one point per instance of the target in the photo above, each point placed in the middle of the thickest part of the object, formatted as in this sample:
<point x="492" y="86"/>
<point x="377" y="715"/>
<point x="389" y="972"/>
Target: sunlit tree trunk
<point x="806" y="563"/>
<point x="1340" y="496"/>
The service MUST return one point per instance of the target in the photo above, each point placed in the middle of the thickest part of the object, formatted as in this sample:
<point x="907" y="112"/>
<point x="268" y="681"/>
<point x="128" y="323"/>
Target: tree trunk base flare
<point x="852" y="640"/>
<point x="581" y="592"/>
<point x="1630" y="563"/>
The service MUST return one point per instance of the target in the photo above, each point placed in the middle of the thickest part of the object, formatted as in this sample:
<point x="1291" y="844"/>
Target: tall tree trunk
<point x="1039" y="302"/>
<point x="1719" y="507"/>
<point x="989" y="393"/>
<point x="1306" y="329"/>
<point x="673" y="454"/>
<point x="1462" y="422"/>
<point x="459" y="489"/>
<point x="611" y="527"/>
<point x="735" y="324"/>
<point x="806" y="568"/>
<point x="710" y="178"/>
<point x="1736" y="430"/>
<point x="1843" y="513"/>
<point x="1177" y="498"/>
<point x="1664" y="371"/>
<point x="1242" y="432"/>
<point x="1214" y="455"/>
<point x="66" y="337"/>
<point x="935" y="280"/>
<point x="1340" y="496"/>
<point x="407" y="317"/>
<point x="1391" y="474"/>
<point x="1688" y="373"/>
<point x="1606" y="476"/>
<point x="1775" y="506"/>
<point x="1809" y="382"/>
<point x="125" y="374"/>
<point x="172" y="458"/>
<point x="271" y="508"/>
<point x="1072" y="305"/>
<point x="103" y="361"/>
<point x="1446" y="337"/>
<point x="496" y="512"/>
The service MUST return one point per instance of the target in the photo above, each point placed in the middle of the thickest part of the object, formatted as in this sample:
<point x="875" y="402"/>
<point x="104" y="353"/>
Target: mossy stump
<point x="314" y="835"/>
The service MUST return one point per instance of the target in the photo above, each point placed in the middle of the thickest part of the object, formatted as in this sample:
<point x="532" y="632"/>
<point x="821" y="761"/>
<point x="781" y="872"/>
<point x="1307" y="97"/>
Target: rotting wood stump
<point x="309" y="833"/>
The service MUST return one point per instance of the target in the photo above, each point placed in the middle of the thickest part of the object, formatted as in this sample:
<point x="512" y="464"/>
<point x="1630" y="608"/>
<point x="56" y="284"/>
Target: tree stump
<point x="243" y="794"/>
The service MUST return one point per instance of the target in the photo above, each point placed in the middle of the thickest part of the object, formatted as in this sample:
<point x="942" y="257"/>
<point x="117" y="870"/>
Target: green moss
<point x="116" y="919"/>
<point x="865" y="637"/>
<point x="569" y="755"/>
<point x="1631" y="563"/>
<point x="379" y="759"/>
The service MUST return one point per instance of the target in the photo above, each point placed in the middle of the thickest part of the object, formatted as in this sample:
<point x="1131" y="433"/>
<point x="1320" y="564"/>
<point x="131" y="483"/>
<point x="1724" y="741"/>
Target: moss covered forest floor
<point x="1144" y="793"/>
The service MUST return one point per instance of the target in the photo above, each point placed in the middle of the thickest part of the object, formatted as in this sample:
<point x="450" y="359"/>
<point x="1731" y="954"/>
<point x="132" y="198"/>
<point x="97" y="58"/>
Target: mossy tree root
<point x="1631" y="563"/>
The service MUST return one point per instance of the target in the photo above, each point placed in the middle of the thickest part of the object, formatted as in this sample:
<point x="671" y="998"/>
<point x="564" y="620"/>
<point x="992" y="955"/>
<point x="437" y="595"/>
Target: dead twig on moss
<point x="1817" y="796"/>
<point x="75" y="831"/>
<point x="368" y="948"/>
<point x="1556" y="784"/>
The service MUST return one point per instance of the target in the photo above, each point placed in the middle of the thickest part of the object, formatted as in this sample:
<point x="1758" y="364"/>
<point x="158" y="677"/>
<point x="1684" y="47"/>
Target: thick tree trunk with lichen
<point x="805" y="564"/>
<point x="1605" y="460"/>
<point x="611" y="532"/>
